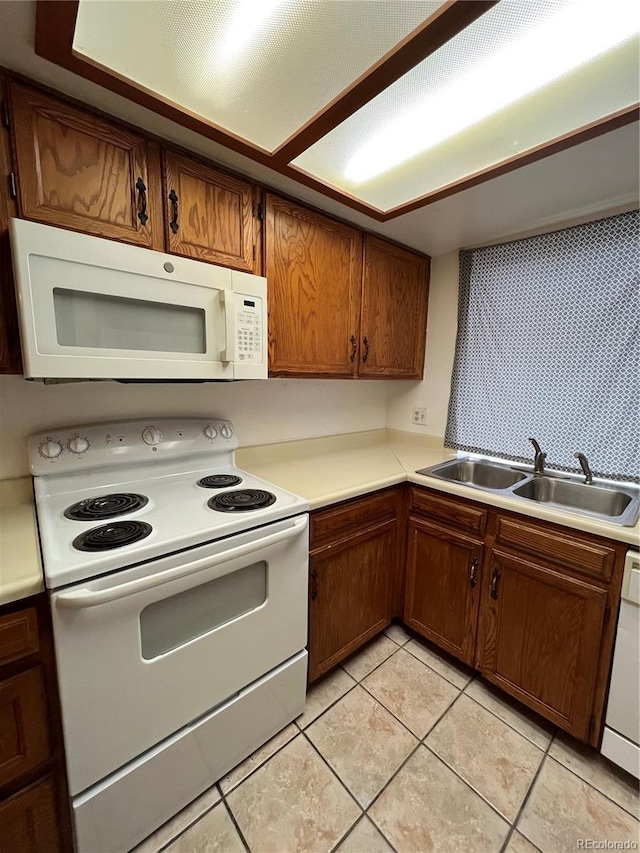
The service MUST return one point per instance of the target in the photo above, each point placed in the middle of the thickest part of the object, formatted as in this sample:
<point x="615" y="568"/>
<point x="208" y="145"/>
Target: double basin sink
<point x="617" y="504"/>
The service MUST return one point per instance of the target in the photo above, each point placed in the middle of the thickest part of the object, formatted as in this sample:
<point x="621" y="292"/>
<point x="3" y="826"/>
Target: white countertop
<point x="20" y="567"/>
<point x="331" y="469"/>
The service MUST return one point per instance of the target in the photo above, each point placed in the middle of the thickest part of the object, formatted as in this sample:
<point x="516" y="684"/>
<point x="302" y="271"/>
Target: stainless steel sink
<point x="616" y="504"/>
<point x="611" y="503"/>
<point x="475" y="472"/>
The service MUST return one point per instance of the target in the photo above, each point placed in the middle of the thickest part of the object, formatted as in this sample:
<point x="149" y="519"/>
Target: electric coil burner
<point x="114" y="535"/>
<point x="105" y="506"/>
<point x="243" y="500"/>
<point x="219" y="481"/>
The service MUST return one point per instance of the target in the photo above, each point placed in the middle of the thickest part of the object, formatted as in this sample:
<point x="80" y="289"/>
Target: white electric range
<point x="178" y="589"/>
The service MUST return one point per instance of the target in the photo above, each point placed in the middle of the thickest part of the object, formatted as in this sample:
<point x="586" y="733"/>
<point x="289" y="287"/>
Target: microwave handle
<point x="87" y="598"/>
<point x="228" y="354"/>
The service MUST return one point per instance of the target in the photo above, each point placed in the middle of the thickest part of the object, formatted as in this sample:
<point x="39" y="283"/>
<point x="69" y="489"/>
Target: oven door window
<point x="103" y="321"/>
<point x="174" y="621"/>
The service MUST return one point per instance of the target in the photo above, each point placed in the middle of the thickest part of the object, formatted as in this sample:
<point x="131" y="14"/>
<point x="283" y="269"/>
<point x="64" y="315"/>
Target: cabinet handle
<point x="142" y="190"/>
<point x="495" y="577"/>
<point x="173" y="198"/>
<point x="365" y="354"/>
<point x="314" y="584"/>
<point x="354" y="346"/>
<point x="472" y="574"/>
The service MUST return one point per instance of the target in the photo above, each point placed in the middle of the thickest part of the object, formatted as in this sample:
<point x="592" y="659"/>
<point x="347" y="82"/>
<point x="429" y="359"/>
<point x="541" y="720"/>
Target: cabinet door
<point x="443" y="582"/>
<point x="540" y="639"/>
<point x="24" y="733"/>
<point x="314" y="270"/>
<point x="209" y="215"/>
<point x="29" y="820"/>
<point x="350" y="594"/>
<point x="79" y="171"/>
<point x="395" y="294"/>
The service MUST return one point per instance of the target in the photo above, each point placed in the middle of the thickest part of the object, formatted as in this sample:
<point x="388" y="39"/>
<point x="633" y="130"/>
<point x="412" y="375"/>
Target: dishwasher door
<point x="621" y="740"/>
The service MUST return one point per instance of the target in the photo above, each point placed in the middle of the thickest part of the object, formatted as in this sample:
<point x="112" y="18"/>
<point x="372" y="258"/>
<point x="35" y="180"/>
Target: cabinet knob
<point x="354" y="346"/>
<point x="365" y="352"/>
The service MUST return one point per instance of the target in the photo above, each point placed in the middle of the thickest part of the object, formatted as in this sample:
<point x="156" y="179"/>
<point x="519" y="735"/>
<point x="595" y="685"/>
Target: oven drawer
<point x="193" y="760"/>
<point x="143" y="652"/>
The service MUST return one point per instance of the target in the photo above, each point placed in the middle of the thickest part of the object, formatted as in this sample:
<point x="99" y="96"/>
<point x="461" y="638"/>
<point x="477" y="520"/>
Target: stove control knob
<point x="210" y="432"/>
<point x="151" y="436"/>
<point x="50" y="449"/>
<point x="226" y="431"/>
<point x="78" y="444"/>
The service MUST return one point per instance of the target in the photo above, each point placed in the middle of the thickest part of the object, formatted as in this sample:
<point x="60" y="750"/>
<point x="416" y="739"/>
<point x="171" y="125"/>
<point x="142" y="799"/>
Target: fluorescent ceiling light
<point x="246" y="21"/>
<point x="561" y="44"/>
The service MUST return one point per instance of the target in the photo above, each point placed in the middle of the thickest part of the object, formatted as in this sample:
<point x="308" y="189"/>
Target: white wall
<point x="433" y="391"/>
<point x="262" y="412"/>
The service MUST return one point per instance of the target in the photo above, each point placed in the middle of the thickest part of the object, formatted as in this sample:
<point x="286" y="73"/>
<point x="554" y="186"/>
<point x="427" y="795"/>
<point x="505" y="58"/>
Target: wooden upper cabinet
<point x="10" y="356"/>
<point x="443" y="585"/>
<point x="314" y="271"/>
<point x="540" y="639"/>
<point x="395" y="291"/>
<point x="208" y="214"/>
<point x="82" y="172"/>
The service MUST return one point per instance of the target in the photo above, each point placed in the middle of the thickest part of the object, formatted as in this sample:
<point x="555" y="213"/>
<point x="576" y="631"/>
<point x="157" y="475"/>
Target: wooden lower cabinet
<point x="34" y="800"/>
<point x="541" y="637"/>
<point x="540" y="621"/>
<point x="29" y="820"/>
<point x="352" y="577"/>
<point x="443" y="582"/>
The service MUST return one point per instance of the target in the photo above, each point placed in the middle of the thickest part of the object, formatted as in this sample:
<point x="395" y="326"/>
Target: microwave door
<point x="94" y="309"/>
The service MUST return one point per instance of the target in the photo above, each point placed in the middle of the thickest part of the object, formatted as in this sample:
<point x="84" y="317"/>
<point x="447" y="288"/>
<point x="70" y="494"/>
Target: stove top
<point x="136" y="504"/>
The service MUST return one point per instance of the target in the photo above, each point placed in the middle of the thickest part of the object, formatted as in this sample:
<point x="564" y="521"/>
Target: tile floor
<point x="401" y="749"/>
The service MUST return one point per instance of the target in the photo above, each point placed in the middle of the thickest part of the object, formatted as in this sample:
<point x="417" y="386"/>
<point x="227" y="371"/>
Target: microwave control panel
<point x="249" y="333"/>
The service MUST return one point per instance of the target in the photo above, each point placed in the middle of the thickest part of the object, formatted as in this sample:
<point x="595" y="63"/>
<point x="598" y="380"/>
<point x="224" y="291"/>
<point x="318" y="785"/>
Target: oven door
<point x="93" y="308"/>
<point x="145" y="651"/>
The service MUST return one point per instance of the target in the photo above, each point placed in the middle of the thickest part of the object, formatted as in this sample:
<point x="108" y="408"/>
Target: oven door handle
<point x="82" y="598"/>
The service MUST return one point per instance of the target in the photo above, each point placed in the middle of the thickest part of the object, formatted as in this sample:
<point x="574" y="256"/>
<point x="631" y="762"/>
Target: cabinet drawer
<point x="18" y="635"/>
<point x="24" y="735"/>
<point x="451" y="512"/>
<point x="557" y="546"/>
<point x="29" y="820"/>
<point x="331" y="523"/>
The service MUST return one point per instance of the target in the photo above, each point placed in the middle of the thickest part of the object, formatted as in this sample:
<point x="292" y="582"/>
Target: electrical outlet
<point x="419" y="417"/>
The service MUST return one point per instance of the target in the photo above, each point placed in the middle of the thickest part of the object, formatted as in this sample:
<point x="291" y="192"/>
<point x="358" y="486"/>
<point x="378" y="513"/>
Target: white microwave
<point x="91" y="308"/>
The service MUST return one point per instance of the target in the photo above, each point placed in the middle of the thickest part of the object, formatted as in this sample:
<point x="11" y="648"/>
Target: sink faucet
<point x="584" y="464"/>
<point x="538" y="461"/>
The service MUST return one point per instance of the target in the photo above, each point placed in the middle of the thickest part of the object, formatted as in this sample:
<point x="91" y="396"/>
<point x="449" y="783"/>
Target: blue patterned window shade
<point x="549" y="346"/>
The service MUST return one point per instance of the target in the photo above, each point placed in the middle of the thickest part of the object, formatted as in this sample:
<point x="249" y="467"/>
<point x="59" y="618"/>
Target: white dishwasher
<point x="621" y="739"/>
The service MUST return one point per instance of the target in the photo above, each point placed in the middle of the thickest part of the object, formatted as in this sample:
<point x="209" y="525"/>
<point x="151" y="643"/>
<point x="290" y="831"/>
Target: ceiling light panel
<point x="522" y="74"/>
<point x="258" y="69"/>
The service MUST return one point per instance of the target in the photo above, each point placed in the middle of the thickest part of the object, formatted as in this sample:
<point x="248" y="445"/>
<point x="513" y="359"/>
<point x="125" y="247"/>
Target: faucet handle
<point x="584" y="464"/>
